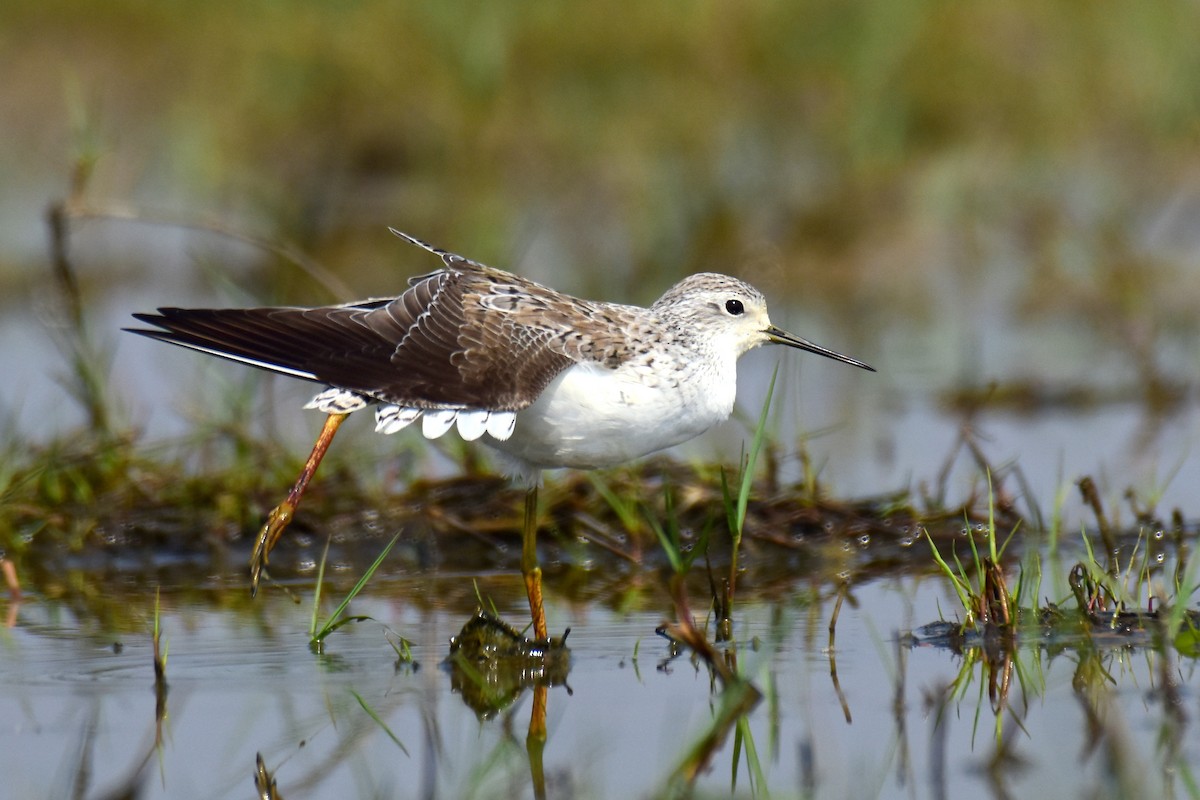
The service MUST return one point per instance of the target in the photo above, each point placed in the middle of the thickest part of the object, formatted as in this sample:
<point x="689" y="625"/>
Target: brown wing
<point x="467" y="336"/>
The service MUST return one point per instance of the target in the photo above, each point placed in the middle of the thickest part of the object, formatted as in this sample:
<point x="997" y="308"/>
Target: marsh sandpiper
<point x="547" y="379"/>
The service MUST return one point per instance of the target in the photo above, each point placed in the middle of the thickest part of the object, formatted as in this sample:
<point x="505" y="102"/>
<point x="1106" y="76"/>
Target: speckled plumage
<point x="548" y="379"/>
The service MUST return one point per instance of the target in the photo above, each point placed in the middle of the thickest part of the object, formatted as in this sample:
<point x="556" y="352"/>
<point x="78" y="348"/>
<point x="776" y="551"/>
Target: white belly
<point x="590" y="416"/>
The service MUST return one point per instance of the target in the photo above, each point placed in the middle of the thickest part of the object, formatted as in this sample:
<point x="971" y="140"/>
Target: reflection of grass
<point x="1106" y="622"/>
<point x="379" y="721"/>
<point x="738" y="695"/>
<point x="1107" y="594"/>
<point x="161" y="648"/>
<point x="1004" y="637"/>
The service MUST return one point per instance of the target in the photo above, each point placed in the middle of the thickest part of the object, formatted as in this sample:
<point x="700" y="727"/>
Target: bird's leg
<point x="281" y="516"/>
<point x="529" y="565"/>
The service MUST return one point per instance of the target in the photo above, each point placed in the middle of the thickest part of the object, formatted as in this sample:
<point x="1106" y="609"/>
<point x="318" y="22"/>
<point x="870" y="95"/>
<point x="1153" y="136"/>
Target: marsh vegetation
<point x="974" y="573"/>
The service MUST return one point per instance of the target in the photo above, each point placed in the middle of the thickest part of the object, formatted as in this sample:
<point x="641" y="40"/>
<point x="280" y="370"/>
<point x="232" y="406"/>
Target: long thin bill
<point x="780" y="336"/>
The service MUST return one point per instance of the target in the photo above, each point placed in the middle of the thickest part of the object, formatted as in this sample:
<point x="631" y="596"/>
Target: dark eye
<point x="735" y="307"/>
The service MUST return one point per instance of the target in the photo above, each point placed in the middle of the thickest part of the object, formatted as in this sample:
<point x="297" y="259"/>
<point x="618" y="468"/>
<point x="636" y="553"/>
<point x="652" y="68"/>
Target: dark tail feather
<point x="314" y="344"/>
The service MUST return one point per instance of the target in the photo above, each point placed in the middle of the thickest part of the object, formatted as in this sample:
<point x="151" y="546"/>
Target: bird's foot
<point x="277" y="522"/>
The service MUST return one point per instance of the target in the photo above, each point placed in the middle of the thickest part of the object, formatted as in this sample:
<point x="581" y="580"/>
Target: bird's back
<point x="466" y="336"/>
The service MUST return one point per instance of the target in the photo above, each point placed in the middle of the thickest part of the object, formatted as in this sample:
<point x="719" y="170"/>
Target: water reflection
<point x="243" y="683"/>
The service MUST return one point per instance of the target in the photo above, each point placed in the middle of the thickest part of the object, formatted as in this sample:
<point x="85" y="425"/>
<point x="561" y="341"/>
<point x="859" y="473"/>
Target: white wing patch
<point x="438" y="421"/>
<point x="393" y="419"/>
<point x="472" y="424"/>
<point x="500" y="424"/>
<point x="337" y="401"/>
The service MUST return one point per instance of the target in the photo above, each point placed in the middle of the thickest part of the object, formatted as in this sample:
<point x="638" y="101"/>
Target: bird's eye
<point x="735" y="307"/>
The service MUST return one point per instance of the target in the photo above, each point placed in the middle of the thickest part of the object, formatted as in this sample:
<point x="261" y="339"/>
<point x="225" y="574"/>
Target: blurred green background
<point x="850" y="146"/>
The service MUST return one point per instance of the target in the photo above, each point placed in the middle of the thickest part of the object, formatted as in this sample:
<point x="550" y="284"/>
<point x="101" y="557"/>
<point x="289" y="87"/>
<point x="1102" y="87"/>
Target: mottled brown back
<point x="467" y="336"/>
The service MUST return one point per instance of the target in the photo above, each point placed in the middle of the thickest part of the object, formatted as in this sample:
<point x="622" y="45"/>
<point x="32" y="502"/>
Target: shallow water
<point x="78" y="710"/>
<point x="1031" y="221"/>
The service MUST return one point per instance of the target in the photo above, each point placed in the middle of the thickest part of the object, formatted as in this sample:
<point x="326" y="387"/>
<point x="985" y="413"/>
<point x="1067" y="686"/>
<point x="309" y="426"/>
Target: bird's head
<point x="733" y="313"/>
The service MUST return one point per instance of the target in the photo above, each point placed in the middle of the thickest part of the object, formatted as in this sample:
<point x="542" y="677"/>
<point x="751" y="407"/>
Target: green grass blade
<point x="960" y="588"/>
<point x="316" y="609"/>
<point x="758" y="778"/>
<point x="484" y="603"/>
<point x="670" y="546"/>
<point x="332" y="623"/>
<point x="760" y="433"/>
<point x="991" y="524"/>
<point x="625" y="511"/>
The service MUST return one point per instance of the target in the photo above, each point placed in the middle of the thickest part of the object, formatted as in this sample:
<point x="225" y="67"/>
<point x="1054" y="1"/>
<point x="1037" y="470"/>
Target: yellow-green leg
<point x="281" y="515"/>
<point x="529" y="565"/>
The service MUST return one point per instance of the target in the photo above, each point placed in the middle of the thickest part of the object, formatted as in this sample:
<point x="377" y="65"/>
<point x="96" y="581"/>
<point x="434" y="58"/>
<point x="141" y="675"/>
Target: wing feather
<point x="466" y="336"/>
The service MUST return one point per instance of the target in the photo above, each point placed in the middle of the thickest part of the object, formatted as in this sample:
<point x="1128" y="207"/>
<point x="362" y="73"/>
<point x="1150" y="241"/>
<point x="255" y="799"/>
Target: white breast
<point x="591" y="416"/>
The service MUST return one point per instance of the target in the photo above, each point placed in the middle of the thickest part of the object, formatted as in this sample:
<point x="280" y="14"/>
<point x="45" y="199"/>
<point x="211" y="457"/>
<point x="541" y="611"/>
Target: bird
<point x="546" y="379"/>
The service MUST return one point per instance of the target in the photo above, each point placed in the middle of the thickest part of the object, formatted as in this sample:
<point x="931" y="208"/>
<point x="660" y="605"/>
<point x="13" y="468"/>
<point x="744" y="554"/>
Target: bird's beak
<point x="780" y="336"/>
